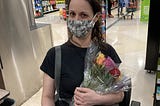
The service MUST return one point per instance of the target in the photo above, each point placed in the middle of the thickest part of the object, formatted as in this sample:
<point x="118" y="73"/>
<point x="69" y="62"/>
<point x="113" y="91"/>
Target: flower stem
<point x="100" y="80"/>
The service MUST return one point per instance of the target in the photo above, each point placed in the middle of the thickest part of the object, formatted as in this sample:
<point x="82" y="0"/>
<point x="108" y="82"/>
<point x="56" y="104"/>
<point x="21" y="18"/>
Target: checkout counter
<point x="3" y="95"/>
<point x="4" y="100"/>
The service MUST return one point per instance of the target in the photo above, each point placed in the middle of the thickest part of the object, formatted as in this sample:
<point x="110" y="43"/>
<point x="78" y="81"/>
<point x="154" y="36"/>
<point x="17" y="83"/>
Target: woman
<point x="84" y="14"/>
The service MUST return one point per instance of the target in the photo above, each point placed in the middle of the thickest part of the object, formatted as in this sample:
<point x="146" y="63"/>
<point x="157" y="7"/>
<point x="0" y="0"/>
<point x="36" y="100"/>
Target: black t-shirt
<point x="72" y="66"/>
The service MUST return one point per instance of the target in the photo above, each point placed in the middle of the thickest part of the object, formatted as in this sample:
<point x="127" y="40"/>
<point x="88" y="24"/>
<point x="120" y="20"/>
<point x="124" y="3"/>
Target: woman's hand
<point x="88" y="97"/>
<point x="85" y="97"/>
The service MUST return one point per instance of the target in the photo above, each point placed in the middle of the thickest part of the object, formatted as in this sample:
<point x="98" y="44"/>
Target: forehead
<point x="80" y="6"/>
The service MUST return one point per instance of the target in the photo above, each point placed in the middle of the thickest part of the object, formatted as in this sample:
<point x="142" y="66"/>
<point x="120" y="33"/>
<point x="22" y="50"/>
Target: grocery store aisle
<point x="129" y="38"/>
<point x="58" y="27"/>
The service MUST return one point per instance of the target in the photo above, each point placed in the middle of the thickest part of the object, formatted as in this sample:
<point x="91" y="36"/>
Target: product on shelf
<point x="158" y="93"/>
<point x="158" y="86"/>
<point x="60" y="4"/>
<point x="37" y="7"/>
<point x="49" y="6"/>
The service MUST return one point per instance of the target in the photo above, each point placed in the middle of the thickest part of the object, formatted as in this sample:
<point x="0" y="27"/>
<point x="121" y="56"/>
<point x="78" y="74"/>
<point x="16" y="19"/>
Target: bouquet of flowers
<point x="102" y="74"/>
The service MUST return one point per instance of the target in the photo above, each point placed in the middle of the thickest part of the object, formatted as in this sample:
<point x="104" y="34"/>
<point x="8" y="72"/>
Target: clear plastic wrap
<point x="102" y="73"/>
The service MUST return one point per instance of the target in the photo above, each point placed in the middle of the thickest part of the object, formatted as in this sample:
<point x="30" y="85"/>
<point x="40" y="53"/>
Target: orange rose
<point x="100" y="59"/>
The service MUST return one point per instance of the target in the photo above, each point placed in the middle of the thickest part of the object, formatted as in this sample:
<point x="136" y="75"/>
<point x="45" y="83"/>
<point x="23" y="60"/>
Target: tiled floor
<point x="129" y="38"/>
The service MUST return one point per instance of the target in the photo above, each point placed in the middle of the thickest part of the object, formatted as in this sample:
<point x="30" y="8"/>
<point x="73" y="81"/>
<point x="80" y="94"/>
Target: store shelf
<point x="157" y="90"/>
<point x="49" y="6"/>
<point x="50" y="11"/>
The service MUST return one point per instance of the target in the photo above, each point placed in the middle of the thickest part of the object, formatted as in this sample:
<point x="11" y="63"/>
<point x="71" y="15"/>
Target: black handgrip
<point x="1" y="64"/>
<point x="135" y="103"/>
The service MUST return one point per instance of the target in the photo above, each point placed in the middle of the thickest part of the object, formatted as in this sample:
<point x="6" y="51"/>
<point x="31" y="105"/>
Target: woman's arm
<point x="48" y="93"/>
<point x="110" y="99"/>
<point x="88" y="97"/>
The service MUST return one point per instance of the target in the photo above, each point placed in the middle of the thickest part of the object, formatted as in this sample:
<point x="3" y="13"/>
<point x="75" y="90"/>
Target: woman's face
<point x="80" y="10"/>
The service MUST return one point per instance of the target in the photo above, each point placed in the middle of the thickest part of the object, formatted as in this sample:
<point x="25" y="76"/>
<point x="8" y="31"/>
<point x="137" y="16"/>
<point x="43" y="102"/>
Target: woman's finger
<point x="77" y="101"/>
<point x="83" y="90"/>
<point x="79" y="93"/>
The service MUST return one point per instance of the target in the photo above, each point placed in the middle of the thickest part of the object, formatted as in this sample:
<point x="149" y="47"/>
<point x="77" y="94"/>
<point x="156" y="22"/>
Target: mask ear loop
<point x="95" y="18"/>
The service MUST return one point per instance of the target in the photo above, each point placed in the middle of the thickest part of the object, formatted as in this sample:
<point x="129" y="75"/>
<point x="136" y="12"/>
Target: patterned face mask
<point x="80" y="28"/>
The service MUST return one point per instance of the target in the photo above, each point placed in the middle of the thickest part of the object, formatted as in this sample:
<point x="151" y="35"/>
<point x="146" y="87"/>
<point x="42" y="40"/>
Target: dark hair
<point x="96" y="36"/>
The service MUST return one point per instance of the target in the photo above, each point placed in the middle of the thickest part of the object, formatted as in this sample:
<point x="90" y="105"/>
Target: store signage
<point x="145" y="10"/>
<point x="60" y="3"/>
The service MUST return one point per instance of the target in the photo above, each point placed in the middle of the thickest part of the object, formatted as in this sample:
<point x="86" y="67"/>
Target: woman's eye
<point x="84" y="16"/>
<point x="71" y="14"/>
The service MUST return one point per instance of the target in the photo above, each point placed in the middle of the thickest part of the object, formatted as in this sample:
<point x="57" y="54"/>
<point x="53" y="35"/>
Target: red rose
<point x="115" y="72"/>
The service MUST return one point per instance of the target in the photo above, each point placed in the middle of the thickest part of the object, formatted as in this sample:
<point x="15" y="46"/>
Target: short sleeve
<point x="114" y="55"/>
<point x="110" y="51"/>
<point x="48" y="63"/>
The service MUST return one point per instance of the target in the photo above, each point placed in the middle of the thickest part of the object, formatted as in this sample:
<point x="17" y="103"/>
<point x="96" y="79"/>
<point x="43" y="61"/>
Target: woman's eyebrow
<point x="71" y="10"/>
<point x="87" y="13"/>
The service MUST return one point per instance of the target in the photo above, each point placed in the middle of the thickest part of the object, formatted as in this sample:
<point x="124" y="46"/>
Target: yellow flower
<point x="100" y="59"/>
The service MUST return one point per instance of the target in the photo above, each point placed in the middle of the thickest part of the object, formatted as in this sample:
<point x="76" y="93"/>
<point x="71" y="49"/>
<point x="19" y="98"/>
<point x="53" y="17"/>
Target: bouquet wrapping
<point x="102" y="73"/>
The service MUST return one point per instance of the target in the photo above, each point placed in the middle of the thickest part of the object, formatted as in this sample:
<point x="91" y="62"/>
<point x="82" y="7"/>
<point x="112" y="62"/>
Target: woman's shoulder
<point x="52" y="49"/>
<point x="108" y="50"/>
<point x="107" y="47"/>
